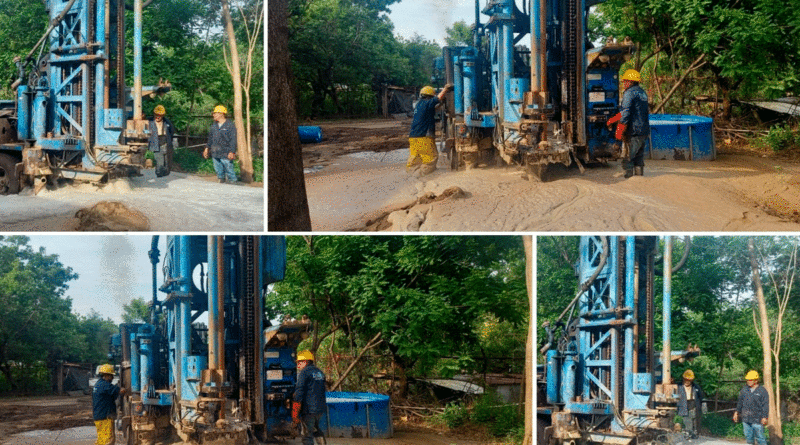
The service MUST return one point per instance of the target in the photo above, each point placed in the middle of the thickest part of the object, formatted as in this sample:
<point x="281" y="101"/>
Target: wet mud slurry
<point x="742" y="190"/>
<point x="177" y="202"/>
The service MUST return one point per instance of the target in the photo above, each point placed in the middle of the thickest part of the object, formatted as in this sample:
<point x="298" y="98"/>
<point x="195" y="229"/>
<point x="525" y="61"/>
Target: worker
<point x="634" y="123"/>
<point x="160" y="143"/>
<point x="422" y="154"/>
<point x="221" y="145"/>
<point x="753" y="408"/>
<point x="690" y="402"/>
<point x="309" y="399"/>
<point x="104" y="407"/>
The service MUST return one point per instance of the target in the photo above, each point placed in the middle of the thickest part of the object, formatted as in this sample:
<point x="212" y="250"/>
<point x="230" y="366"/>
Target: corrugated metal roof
<point x="788" y="106"/>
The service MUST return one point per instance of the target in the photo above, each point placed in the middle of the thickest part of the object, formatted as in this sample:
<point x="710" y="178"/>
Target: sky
<point x="429" y="18"/>
<point x="112" y="269"/>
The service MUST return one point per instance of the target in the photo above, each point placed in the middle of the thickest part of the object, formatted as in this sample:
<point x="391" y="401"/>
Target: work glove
<point x="231" y="156"/>
<point x="205" y="153"/>
<point x="620" y="131"/>
<point x="448" y="87"/>
<point x="296" y="413"/>
<point x="614" y="119"/>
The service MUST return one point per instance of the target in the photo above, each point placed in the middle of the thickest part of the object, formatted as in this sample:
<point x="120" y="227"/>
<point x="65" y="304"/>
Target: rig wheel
<point x="9" y="182"/>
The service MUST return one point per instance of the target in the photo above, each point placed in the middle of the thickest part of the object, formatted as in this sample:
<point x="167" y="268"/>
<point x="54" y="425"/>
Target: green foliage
<point x="422" y="294"/>
<point x="36" y="324"/>
<point x="136" y="311"/>
<point x="722" y="426"/>
<point x="501" y="419"/>
<point x="782" y="137"/>
<point x="460" y="34"/>
<point x="190" y="161"/>
<point x="455" y="414"/>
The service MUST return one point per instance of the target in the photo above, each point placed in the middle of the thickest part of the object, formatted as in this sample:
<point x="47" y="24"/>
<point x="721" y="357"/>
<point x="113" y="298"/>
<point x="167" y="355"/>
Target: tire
<point x="9" y="182"/>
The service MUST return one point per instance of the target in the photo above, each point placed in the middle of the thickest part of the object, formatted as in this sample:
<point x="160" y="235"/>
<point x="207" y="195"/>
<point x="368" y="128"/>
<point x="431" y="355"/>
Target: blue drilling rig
<point x="228" y="382"/>
<point x="532" y="106"/>
<point x="71" y="117"/>
<point x="603" y="381"/>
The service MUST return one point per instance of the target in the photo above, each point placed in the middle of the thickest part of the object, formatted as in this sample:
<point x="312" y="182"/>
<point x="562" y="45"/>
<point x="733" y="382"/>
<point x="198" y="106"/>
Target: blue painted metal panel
<point x="274" y="253"/>
<point x="23" y="113"/>
<point x="135" y="364"/>
<point x="681" y="137"/>
<point x="193" y="366"/>
<point x="552" y="377"/>
<point x="357" y="415"/>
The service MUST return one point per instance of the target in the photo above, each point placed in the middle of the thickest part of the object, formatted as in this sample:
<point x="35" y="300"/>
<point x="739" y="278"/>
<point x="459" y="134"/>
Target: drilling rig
<point x="534" y="106"/>
<point x="603" y="381"/>
<point x="227" y="382"/>
<point x="71" y="117"/>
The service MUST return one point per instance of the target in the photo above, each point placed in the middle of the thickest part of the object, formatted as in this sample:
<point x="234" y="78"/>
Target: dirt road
<point x="369" y="190"/>
<point x="68" y="421"/>
<point x="178" y="202"/>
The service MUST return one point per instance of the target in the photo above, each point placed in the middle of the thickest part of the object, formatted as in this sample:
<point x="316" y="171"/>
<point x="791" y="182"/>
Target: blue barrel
<point x="357" y="415"/>
<point x="681" y="137"/>
<point x="309" y="134"/>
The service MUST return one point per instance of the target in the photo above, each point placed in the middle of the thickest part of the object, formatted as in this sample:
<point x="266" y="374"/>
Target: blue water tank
<point x="681" y="137"/>
<point x="357" y="415"/>
<point x="309" y="134"/>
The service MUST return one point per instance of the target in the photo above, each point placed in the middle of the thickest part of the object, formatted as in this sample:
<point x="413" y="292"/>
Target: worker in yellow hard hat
<point x="221" y="146"/>
<point x="422" y="153"/>
<point x="753" y="409"/>
<point x="160" y="141"/>
<point x="690" y="404"/>
<point x="634" y="123"/>
<point x="104" y="408"/>
<point x="309" y="399"/>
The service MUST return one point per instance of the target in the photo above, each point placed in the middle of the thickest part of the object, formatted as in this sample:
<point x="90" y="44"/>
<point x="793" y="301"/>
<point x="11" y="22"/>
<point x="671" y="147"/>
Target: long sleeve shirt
<point x="310" y="390"/>
<point x="104" y="396"/>
<point x="222" y="139"/>
<point x="635" y="111"/>
<point x="753" y="404"/>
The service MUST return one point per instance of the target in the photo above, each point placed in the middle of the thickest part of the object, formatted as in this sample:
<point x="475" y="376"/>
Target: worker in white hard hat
<point x="690" y="403"/>
<point x="422" y="154"/>
<point x="221" y="147"/>
<point x="308" y="403"/>
<point x="160" y="141"/>
<point x="104" y="407"/>
<point x="753" y="409"/>
<point x="634" y="123"/>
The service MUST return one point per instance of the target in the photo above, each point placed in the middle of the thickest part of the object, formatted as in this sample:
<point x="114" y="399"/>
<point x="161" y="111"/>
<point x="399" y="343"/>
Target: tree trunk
<point x="775" y="436"/>
<point x="286" y="188"/>
<point x="243" y="150"/>
<point x="528" y="383"/>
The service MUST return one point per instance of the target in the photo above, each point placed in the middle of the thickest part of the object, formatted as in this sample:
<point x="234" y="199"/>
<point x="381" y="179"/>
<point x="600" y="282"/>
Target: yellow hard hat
<point x="106" y="369"/>
<point x="305" y="355"/>
<point x="632" y="75"/>
<point x="751" y="375"/>
<point x="688" y="374"/>
<point x="427" y="91"/>
<point x="159" y="109"/>
<point x="220" y="109"/>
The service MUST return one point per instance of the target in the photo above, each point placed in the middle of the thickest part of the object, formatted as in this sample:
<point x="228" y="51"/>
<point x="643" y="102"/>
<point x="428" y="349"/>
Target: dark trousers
<point x="635" y="152"/>
<point x="309" y="429"/>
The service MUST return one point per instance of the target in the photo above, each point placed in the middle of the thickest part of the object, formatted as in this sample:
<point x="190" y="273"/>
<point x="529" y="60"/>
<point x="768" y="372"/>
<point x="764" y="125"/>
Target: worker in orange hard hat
<point x="753" y="408"/>
<point x="104" y="408"/>
<point x="160" y="141"/>
<point x="690" y="404"/>
<point x="634" y="123"/>
<point x="221" y="147"/>
<point x="309" y="399"/>
<point x="422" y="153"/>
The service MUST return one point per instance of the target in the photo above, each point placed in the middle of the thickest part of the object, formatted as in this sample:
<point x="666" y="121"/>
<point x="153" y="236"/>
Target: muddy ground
<point x="68" y="421"/>
<point x="177" y="202"/>
<point x="356" y="181"/>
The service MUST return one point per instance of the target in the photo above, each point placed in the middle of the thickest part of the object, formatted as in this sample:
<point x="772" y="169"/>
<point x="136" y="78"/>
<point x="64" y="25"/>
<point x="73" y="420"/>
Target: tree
<point x="287" y="200"/>
<point x="245" y="157"/>
<point x="530" y="355"/>
<point x="423" y="295"/>
<point x="460" y="34"/>
<point x="137" y="311"/>
<point x="96" y="333"/>
<point x="35" y="319"/>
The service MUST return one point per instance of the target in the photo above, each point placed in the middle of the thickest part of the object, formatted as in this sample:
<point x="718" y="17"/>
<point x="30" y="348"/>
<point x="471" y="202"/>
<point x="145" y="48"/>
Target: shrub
<point x="455" y="414"/>
<point x="781" y="137"/>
